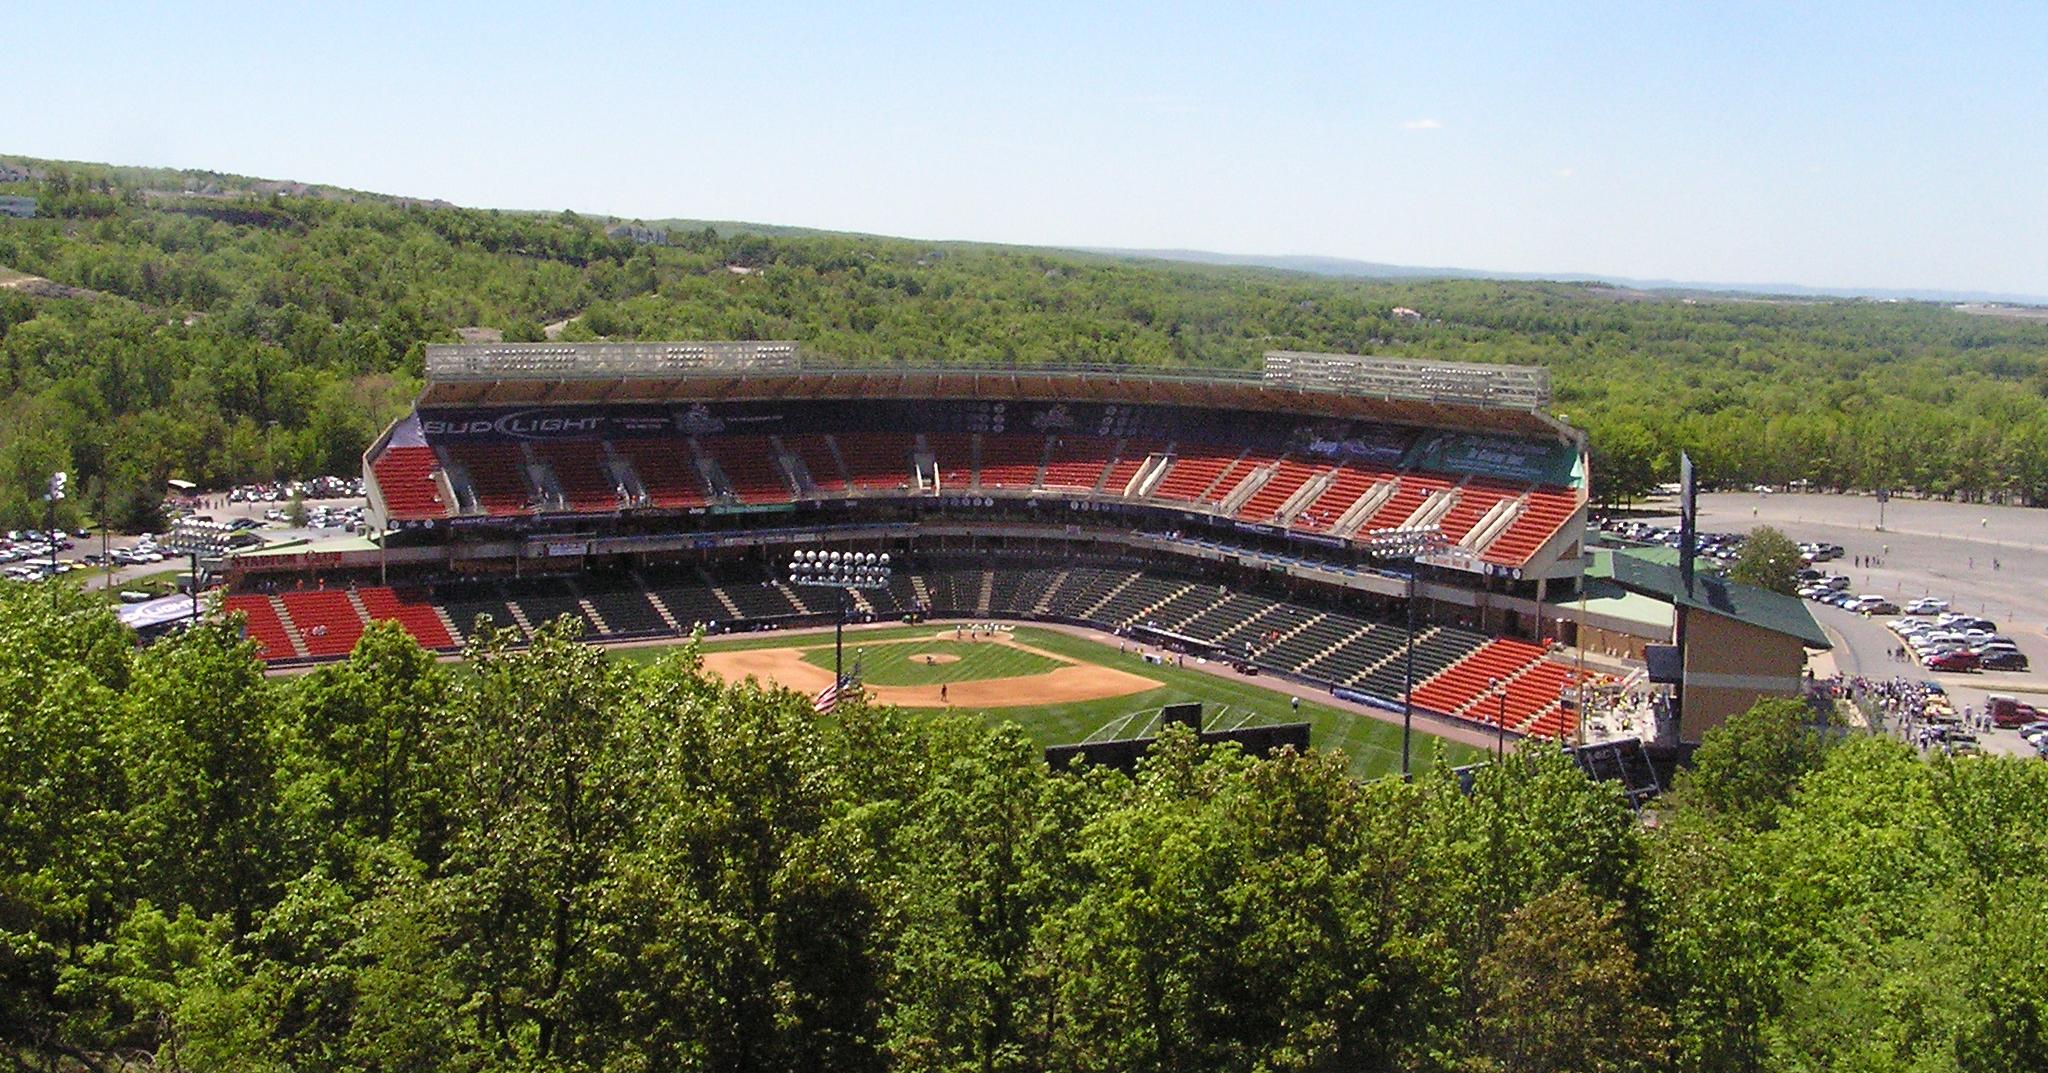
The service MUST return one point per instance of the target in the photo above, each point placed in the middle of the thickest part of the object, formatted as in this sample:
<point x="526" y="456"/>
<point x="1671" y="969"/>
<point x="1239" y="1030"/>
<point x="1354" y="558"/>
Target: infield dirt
<point x="1071" y="682"/>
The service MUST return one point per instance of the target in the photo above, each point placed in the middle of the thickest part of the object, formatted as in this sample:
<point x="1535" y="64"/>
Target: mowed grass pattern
<point x="1373" y="747"/>
<point x="902" y="663"/>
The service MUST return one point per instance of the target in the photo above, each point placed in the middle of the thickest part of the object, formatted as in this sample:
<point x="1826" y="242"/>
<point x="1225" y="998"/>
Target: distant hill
<point x="1343" y="268"/>
<point x="222" y="328"/>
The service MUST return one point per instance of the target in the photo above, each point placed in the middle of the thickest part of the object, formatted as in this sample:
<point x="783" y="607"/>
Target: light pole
<point x="55" y="493"/>
<point x="840" y="571"/>
<point x="1405" y="546"/>
<point x="1500" y="721"/>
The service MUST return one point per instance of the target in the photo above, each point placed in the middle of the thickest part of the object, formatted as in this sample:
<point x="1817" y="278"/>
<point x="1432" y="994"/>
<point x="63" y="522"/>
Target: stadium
<point x="1292" y="522"/>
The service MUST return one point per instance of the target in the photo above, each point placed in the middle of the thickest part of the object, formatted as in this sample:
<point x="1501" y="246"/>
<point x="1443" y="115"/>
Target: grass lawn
<point x="904" y="664"/>
<point x="1228" y="701"/>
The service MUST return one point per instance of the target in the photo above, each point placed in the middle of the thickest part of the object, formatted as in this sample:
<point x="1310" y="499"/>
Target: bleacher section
<point x="406" y="477"/>
<point x="1534" y="688"/>
<point x="544" y="601"/>
<point x="750" y="464"/>
<point x="466" y="602"/>
<point x="579" y="468"/>
<point x="1264" y="505"/>
<point x="1544" y="513"/>
<point x="1011" y="461"/>
<point x="1328" y="645"/>
<point x="877" y="461"/>
<point x="327" y="621"/>
<point x="497" y="476"/>
<point x="816" y="455"/>
<point x="1504" y="522"/>
<point x="1077" y="463"/>
<point x="1195" y="469"/>
<point x="666" y="470"/>
<point x="263" y="626"/>
<point x="622" y="604"/>
<point x="954" y="455"/>
<point x="411" y="609"/>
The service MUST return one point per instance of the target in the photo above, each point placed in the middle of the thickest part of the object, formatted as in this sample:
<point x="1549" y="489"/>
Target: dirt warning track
<point x="1070" y="683"/>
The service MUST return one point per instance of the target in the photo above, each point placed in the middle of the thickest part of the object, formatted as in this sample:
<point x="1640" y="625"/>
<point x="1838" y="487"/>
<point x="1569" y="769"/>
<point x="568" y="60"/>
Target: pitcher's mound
<point x="936" y="658"/>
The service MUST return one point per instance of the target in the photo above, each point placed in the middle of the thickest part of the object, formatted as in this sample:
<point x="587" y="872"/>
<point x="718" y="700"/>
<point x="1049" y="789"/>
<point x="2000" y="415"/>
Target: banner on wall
<point x="1502" y="457"/>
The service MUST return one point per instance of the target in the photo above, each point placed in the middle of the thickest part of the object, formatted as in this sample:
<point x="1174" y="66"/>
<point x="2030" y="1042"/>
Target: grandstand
<point x="646" y="489"/>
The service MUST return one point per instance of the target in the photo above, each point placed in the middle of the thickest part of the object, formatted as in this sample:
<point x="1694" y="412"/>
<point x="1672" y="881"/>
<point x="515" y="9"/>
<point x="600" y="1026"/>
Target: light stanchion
<point x="1406" y="546"/>
<point x="842" y="572"/>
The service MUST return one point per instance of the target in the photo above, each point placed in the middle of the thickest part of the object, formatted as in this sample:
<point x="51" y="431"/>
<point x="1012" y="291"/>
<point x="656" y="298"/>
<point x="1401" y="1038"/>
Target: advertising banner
<point x="1533" y="461"/>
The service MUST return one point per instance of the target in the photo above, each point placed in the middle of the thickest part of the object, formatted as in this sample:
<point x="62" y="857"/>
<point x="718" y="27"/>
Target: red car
<point x="1962" y="659"/>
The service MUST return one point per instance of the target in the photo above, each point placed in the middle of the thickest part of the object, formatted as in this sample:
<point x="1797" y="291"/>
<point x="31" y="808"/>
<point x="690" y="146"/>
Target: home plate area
<point x="958" y="668"/>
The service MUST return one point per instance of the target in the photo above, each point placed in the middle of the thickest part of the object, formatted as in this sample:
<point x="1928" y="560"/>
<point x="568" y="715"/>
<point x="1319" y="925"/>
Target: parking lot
<point x="1987" y="561"/>
<point x="97" y="576"/>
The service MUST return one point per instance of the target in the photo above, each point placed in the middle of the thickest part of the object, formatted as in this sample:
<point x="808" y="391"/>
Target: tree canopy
<point x="241" y="332"/>
<point x="545" y="858"/>
<point x="1768" y="559"/>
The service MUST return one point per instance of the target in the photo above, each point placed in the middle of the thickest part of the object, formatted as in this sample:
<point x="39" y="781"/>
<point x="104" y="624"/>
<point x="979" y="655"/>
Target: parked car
<point x="1926" y="605"/>
<point x="1960" y="659"/>
<point x="2003" y="660"/>
<point x="2011" y="712"/>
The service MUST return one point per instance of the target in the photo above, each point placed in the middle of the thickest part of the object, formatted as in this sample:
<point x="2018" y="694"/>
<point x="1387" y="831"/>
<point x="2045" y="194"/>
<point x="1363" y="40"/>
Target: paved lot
<point x="97" y="578"/>
<point x="1985" y="560"/>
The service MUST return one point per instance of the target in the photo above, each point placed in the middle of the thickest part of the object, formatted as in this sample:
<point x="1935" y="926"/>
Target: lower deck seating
<point x="1502" y="682"/>
<point x="411" y="609"/>
<point x="622" y="604"/>
<point x="327" y="621"/>
<point x="263" y="626"/>
<point x="1336" y="645"/>
<point x="543" y="602"/>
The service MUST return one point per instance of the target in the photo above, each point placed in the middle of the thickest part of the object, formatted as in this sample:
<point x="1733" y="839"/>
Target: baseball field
<point x="1058" y="687"/>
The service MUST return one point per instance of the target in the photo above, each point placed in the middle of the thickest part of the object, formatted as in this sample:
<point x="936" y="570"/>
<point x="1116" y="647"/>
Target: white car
<point x="1926" y="605"/>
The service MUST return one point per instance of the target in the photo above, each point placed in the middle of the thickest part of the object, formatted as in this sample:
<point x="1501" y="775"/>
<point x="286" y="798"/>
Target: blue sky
<point x="1865" y="145"/>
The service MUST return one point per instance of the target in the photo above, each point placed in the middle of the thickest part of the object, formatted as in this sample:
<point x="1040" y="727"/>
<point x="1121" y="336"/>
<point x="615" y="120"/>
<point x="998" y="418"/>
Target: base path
<point x="1070" y="683"/>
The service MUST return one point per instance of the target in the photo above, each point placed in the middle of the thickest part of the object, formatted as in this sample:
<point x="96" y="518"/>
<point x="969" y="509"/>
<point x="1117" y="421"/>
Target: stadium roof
<point x="1502" y="398"/>
<point x="1711" y="593"/>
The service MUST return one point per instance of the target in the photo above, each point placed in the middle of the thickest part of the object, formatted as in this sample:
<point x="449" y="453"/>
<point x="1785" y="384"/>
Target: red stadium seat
<point x="405" y="476"/>
<point x="667" y="471"/>
<point x="263" y="626"/>
<point x="579" y="468"/>
<point x="497" y="474"/>
<point x="410" y="609"/>
<point x="326" y="620"/>
<point x="1077" y="463"/>
<point x="1010" y="461"/>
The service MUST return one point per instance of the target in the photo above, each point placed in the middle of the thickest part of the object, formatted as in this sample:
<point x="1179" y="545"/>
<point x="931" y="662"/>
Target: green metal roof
<point x="1762" y="608"/>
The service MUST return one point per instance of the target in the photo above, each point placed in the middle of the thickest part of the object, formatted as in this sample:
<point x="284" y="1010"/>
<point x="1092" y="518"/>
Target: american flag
<point x="828" y="699"/>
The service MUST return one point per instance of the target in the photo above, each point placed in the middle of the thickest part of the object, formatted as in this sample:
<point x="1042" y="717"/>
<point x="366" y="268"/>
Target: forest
<point x="219" y="329"/>
<point x="547" y="859"/>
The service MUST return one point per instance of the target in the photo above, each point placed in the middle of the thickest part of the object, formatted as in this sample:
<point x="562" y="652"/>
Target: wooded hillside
<point x="245" y="330"/>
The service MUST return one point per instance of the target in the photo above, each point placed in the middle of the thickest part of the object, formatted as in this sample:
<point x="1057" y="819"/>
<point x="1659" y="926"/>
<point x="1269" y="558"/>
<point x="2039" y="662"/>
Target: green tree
<point x="1561" y="991"/>
<point x="1769" y="560"/>
<point x="1747" y="768"/>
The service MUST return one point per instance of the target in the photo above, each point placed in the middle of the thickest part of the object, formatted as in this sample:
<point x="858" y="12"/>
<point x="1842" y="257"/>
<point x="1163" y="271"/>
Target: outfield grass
<point x="903" y="663"/>
<point x="1229" y="700"/>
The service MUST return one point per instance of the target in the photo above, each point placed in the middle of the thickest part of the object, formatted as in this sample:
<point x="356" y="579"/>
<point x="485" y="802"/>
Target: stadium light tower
<point x="55" y="493"/>
<point x="842" y="572"/>
<point x="1406" y="546"/>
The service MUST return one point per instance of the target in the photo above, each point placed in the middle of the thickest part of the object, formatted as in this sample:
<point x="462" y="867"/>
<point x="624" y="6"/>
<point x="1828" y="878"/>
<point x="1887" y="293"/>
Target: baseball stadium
<point x="1074" y="547"/>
